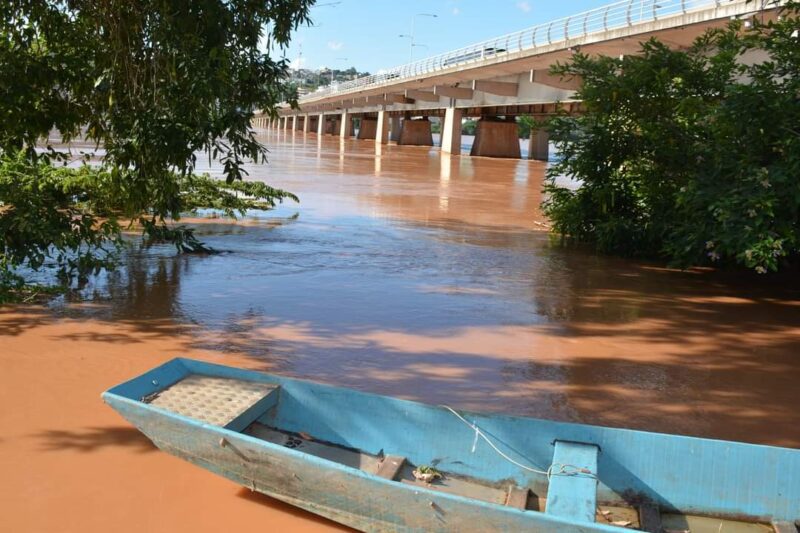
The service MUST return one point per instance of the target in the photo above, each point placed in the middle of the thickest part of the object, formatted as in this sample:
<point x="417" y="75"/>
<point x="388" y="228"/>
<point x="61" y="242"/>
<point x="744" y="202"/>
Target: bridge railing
<point x="621" y="14"/>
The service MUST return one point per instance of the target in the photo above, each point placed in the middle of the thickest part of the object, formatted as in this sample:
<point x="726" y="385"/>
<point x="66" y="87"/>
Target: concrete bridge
<point x="499" y="79"/>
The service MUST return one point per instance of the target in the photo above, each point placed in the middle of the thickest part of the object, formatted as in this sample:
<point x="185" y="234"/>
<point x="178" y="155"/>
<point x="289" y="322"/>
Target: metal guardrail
<point x="620" y="14"/>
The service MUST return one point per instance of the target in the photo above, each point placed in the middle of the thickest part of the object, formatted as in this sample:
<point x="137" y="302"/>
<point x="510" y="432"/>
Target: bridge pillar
<point x="368" y="128"/>
<point x="496" y="138"/>
<point x="416" y="132"/>
<point x="320" y="124"/>
<point x="285" y="123"/>
<point x="332" y="125"/>
<point x="294" y="122"/>
<point x="451" y="131"/>
<point x="305" y="123"/>
<point x="382" y="128"/>
<point x="539" y="145"/>
<point x="396" y="123"/>
<point x="346" y="125"/>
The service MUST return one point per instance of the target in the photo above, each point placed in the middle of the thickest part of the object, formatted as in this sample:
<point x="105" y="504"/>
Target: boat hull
<point x="674" y="474"/>
<point x="345" y="495"/>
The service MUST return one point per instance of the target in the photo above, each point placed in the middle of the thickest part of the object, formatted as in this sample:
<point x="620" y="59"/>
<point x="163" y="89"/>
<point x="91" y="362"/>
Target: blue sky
<point x="365" y="32"/>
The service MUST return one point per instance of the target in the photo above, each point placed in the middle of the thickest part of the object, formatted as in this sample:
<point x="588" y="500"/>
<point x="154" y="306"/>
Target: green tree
<point x="525" y="124"/>
<point x="692" y="155"/>
<point x="469" y="126"/>
<point x="153" y="82"/>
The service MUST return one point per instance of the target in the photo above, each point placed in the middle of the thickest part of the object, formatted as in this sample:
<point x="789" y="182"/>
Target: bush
<point x="690" y="155"/>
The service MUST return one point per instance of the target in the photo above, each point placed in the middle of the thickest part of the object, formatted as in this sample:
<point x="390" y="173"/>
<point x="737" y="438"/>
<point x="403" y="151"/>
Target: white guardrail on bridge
<point x="603" y="19"/>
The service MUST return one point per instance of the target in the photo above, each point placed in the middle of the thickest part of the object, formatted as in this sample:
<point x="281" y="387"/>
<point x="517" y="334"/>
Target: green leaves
<point x="689" y="155"/>
<point x="68" y="217"/>
<point x="153" y="82"/>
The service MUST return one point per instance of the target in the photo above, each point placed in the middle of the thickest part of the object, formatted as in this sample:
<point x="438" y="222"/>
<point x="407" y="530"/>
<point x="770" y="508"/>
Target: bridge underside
<point x="494" y="89"/>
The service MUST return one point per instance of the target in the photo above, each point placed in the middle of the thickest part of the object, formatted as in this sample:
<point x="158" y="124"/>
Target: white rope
<point x="563" y="469"/>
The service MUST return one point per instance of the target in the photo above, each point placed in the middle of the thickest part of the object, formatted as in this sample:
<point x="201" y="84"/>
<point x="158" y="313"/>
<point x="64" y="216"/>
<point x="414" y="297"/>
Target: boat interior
<point x="326" y="424"/>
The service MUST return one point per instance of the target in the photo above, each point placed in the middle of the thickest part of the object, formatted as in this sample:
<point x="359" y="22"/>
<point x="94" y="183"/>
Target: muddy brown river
<point x="407" y="273"/>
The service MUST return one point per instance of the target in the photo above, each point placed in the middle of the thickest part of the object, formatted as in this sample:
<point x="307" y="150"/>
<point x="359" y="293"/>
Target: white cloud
<point x="456" y="11"/>
<point x="335" y="45"/>
<point x="524" y="6"/>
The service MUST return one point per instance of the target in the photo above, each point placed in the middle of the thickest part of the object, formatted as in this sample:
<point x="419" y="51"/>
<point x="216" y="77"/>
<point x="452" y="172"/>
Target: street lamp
<point x="411" y="35"/>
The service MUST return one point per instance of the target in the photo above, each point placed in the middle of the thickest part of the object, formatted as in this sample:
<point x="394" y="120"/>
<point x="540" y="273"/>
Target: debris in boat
<point x="605" y="513"/>
<point x="621" y="523"/>
<point x="292" y="442"/>
<point x="148" y="398"/>
<point x="305" y="435"/>
<point x="426" y="474"/>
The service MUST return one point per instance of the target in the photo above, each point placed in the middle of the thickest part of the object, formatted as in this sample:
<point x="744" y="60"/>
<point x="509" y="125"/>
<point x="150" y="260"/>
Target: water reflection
<point x="423" y="276"/>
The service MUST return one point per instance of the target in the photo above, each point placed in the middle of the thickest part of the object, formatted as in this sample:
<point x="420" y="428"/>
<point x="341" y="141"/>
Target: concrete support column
<point x="539" y="145"/>
<point x="451" y="131"/>
<point x="320" y="124"/>
<point x="285" y="123"/>
<point x="382" y="128"/>
<point x="294" y="122"/>
<point x="306" y="120"/>
<point x="416" y="132"/>
<point x="368" y="128"/>
<point x="496" y="138"/>
<point x="345" y="125"/>
<point x="394" y="128"/>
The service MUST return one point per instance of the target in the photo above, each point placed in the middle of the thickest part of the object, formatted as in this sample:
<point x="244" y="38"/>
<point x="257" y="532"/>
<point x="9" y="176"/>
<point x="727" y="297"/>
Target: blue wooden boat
<point x="382" y="464"/>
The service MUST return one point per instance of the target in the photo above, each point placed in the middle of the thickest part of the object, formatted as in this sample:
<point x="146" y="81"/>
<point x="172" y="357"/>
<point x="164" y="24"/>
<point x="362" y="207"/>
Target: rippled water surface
<point x="406" y="273"/>
<point x="430" y="277"/>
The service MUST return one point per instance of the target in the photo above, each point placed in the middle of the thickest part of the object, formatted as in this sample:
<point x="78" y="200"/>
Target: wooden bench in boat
<point x="572" y="492"/>
<point x="230" y="403"/>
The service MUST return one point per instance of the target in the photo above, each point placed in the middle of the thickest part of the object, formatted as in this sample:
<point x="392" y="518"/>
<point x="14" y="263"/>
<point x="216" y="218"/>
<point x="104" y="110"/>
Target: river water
<point x="407" y="273"/>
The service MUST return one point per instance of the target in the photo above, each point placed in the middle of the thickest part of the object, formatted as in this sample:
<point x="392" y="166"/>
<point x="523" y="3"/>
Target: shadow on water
<point x="92" y="439"/>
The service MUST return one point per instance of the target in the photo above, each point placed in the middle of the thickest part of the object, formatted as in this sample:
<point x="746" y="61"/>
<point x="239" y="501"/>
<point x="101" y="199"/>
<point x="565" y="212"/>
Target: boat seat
<point x="390" y="466"/>
<point x="230" y="403"/>
<point x="572" y="492"/>
<point x="518" y="498"/>
<point x="650" y="518"/>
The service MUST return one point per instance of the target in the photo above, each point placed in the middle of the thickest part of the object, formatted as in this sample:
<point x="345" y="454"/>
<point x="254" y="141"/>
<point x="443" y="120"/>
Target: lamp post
<point x="411" y="35"/>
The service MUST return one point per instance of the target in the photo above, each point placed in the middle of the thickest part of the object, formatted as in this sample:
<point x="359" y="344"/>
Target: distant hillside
<point x="308" y="81"/>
